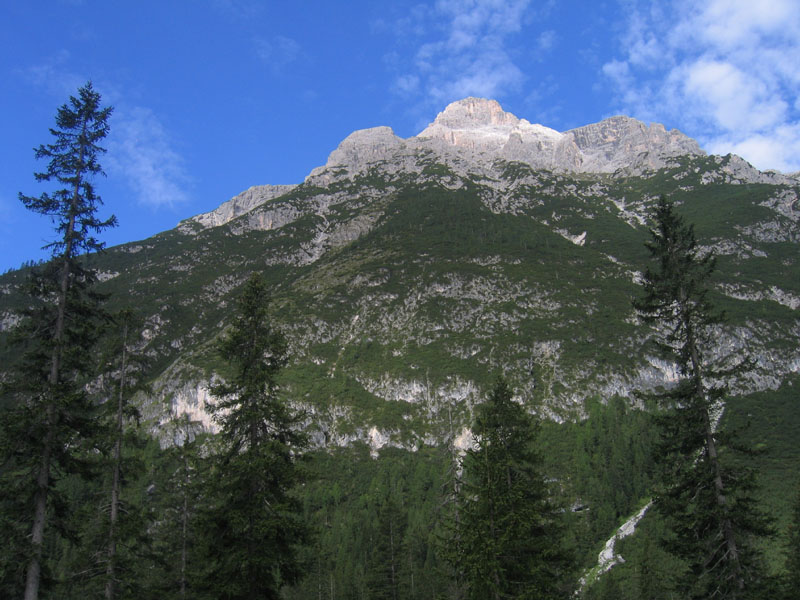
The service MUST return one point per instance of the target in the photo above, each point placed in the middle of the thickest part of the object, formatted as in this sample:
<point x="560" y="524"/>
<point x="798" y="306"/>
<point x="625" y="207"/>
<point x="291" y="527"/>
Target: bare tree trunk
<point x="33" y="574"/>
<point x="115" y="481"/>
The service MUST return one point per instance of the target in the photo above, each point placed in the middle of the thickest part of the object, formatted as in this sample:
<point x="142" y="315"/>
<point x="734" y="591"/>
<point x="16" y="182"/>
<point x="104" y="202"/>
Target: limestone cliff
<point x="471" y="134"/>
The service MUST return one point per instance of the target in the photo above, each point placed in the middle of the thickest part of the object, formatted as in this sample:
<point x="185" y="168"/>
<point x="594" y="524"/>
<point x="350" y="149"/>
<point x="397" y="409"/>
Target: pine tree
<point x="792" y="582"/>
<point x="254" y="523"/>
<point x="383" y="575"/>
<point x="121" y="375"/>
<point x="507" y="539"/>
<point x="121" y="392"/>
<point x="110" y="520"/>
<point x="706" y="502"/>
<point x="176" y="494"/>
<point x="47" y="419"/>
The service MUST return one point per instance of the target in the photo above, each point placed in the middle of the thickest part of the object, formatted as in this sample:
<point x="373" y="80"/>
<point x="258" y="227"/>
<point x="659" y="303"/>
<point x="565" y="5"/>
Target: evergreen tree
<point x="177" y="496"/>
<point x="706" y="502"/>
<point x="121" y="392"/>
<point x="47" y="419"/>
<point x="793" y="552"/>
<point x="383" y="576"/>
<point x="254" y="524"/>
<point x="506" y="540"/>
<point x="121" y="523"/>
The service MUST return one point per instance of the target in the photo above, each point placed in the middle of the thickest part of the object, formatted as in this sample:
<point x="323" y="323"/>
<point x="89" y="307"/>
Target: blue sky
<point x="213" y="96"/>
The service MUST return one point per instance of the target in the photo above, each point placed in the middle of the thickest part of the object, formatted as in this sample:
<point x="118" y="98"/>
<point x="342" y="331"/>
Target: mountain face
<point x="407" y="272"/>
<point x="470" y="135"/>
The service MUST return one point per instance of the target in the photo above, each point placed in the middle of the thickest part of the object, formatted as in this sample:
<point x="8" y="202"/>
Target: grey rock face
<point x="238" y="205"/>
<point x="472" y="133"/>
<point x="735" y="169"/>
<point x="366" y="146"/>
<point x="625" y="143"/>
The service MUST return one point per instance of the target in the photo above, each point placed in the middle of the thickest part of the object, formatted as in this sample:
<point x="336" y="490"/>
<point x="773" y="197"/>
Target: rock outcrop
<point x="623" y="143"/>
<point x="471" y="134"/>
<point x="240" y="204"/>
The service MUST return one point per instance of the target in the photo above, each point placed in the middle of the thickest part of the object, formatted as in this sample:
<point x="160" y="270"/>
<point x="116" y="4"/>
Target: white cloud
<point x="407" y="84"/>
<point x="732" y="98"/>
<point x="780" y="148"/>
<point x="725" y="71"/>
<point x="469" y="53"/>
<point x="546" y="41"/>
<point x="277" y="52"/>
<point x="54" y="78"/>
<point x="141" y="153"/>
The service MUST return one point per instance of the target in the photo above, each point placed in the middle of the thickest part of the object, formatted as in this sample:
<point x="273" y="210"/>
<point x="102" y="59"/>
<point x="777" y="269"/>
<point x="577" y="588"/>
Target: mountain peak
<point x="474" y="112"/>
<point x="470" y="134"/>
<point x="481" y="125"/>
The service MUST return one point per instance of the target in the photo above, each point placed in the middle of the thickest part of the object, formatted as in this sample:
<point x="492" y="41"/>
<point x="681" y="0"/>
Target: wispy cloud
<point x="54" y="77"/>
<point x="239" y="9"/>
<point x="725" y="71"/>
<point x="468" y="50"/>
<point x="141" y="153"/>
<point x="277" y="52"/>
<point x="546" y="40"/>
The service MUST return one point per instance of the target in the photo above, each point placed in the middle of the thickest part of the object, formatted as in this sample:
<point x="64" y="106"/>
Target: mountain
<point x="406" y="271"/>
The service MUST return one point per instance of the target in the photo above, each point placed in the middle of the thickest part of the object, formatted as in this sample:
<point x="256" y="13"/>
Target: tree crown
<point x="73" y="162"/>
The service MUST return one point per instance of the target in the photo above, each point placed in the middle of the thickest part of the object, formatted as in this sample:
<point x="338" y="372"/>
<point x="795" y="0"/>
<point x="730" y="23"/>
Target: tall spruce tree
<point x="253" y="523"/>
<point x="506" y="540"/>
<point x="47" y="412"/>
<point x="707" y="501"/>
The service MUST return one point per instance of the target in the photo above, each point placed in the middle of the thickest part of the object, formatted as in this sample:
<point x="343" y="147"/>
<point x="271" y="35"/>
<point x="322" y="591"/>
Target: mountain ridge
<point x="481" y="130"/>
<point x="471" y="134"/>
<point x="399" y="254"/>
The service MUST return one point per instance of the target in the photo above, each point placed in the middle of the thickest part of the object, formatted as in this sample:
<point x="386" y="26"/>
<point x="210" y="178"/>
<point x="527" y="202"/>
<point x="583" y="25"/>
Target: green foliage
<point x="506" y="534"/>
<point x="706" y="499"/>
<point x="175" y="495"/>
<point x="73" y="161"/>
<point x="649" y="571"/>
<point x="47" y="421"/>
<point x="792" y="580"/>
<point x="374" y="522"/>
<point x="252" y="522"/>
<point x="82" y="570"/>
<point x="610" y="472"/>
<point x="769" y="423"/>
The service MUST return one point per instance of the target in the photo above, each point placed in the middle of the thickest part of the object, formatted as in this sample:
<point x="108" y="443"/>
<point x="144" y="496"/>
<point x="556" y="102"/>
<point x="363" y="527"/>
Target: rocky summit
<point x="474" y="132"/>
<point x="407" y="272"/>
